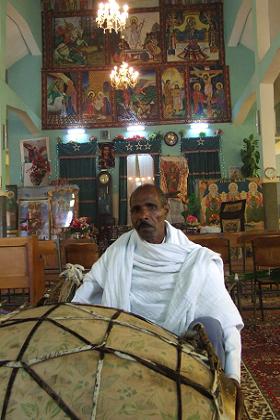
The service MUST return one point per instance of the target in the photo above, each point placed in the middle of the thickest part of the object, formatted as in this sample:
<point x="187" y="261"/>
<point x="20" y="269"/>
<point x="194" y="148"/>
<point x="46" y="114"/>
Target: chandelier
<point x="123" y="77"/>
<point x="110" y="18"/>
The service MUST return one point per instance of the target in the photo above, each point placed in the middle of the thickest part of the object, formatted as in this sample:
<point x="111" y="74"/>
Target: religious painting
<point x="190" y="2"/>
<point x="60" y="102"/>
<point x="141" y="102"/>
<point x="173" y="93"/>
<point x="140" y="42"/>
<point x="69" y="5"/>
<point x="208" y="94"/>
<point x="96" y="97"/>
<point x="64" y="206"/>
<point x="178" y="51"/>
<point x="234" y="173"/>
<point x="76" y="5"/>
<point x="173" y="182"/>
<point x="173" y="176"/>
<point x="33" y="218"/>
<point x="77" y="42"/>
<point x="194" y="34"/>
<point x="106" y="158"/>
<point x="213" y="193"/>
<point x="35" y="161"/>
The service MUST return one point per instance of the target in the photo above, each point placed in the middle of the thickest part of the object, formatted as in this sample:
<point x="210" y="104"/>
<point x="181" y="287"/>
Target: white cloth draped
<point x="170" y="283"/>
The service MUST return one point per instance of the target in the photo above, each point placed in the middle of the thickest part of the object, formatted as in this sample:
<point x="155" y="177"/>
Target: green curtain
<point x="77" y="163"/>
<point x="122" y="190"/>
<point x="203" y="156"/>
<point x="125" y="147"/>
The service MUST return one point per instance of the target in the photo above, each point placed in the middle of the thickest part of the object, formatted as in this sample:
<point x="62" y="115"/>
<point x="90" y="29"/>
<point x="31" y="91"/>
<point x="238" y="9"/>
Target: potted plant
<point x="250" y="157"/>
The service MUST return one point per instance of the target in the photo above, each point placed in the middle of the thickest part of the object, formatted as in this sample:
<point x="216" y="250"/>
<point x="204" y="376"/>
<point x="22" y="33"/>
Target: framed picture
<point x="33" y="218"/>
<point x="35" y="161"/>
<point x="178" y="52"/>
<point x="139" y="103"/>
<point x="208" y="94"/>
<point x="104" y="135"/>
<point x="68" y="6"/>
<point x="77" y="41"/>
<point x="64" y="206"/>
<point x="140" y="42"/>
<point x="215" y="192"/>
<point x="194" y="34"/>
<point x="60" y="103"/>
<point x="106" y="158"/>
<point x="173" y="93"/>
<point x="234" y="173"/>
<point x="97" y="97"/>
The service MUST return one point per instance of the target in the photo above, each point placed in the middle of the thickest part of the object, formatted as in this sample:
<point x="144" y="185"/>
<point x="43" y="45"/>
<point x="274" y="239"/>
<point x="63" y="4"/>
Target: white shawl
<point x="113" y="273"/>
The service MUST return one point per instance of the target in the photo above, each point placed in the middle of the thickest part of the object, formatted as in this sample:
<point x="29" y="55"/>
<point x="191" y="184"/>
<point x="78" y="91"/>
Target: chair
<point x="266" y="262"/>
<point x="232" y="216"/>
<point x="218" y="244"/>
<point x="83" y="253"/>
<point x="50" y="253"/>
<point x="21" y="267"/>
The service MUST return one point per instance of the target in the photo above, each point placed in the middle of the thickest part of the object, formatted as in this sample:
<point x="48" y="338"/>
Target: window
<point x="140" y="171"/>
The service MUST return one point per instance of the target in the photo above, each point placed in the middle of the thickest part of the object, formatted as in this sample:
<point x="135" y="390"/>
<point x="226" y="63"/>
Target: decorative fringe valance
<point x="200" y="144"/>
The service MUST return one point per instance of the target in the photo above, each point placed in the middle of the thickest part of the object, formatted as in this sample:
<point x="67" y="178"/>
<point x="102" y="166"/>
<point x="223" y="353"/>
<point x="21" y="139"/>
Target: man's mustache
<point x="143" y="224"/>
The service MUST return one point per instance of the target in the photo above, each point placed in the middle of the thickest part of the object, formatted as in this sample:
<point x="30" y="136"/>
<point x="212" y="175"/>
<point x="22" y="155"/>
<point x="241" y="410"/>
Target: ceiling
<point x="16" y="47"/>
<point x="19" y="38"/>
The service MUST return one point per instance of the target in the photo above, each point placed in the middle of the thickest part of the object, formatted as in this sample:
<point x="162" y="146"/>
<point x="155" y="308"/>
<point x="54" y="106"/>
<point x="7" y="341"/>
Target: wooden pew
<point x="83" y="253"/>
<point x="51" y="256"/>
<point x="21" y="266"/>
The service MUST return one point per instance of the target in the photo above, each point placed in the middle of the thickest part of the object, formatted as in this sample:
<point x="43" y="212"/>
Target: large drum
<point x="90" y="362"/>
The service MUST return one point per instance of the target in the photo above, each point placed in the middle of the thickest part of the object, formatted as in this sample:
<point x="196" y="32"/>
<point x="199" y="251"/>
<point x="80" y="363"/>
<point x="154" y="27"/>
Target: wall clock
<point x="171" y="138"/>
<point x="104" y="196"/>
<point x="104" y="178"/>
<point x="270" y="172"/>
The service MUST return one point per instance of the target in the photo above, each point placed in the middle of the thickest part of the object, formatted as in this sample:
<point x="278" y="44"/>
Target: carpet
<point x="261" y="367"/>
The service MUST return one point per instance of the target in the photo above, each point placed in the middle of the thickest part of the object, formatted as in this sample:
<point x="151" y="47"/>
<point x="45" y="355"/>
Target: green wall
<point x="25" y="79"/>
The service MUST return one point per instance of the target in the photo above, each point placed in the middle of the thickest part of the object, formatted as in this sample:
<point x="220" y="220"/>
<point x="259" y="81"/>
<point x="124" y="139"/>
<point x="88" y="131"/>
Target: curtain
<point x="203" y="156"/>
<point x="125" y="147"/>
<point x="77" y="163"/>
<point x="122" y="191"/>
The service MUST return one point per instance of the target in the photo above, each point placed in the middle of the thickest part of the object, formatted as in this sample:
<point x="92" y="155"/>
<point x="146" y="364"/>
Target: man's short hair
<point x="155" y="188"/>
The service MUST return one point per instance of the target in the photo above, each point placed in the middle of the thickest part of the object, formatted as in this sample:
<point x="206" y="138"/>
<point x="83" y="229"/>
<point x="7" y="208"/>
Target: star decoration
<point x="148" y="146"/>
<point x="76" y="147"/>
<point x="139" y="146"/>
<point x="200" y="142"/>
<point x="129" y="147"/>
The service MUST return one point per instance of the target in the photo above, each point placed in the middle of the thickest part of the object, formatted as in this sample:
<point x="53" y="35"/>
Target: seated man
<point x="155" y="271"/>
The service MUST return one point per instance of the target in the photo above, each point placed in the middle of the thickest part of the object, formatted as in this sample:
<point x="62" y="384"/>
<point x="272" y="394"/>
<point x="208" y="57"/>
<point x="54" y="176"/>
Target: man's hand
<point x="239" y="403"/>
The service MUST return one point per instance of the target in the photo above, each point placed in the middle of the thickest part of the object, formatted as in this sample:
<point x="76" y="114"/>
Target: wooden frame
<point x="34" y="218"/>
<point x="168" y="45"/>
<point x="64" y="206"/>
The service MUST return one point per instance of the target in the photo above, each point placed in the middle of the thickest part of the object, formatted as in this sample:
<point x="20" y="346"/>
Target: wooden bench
<point x="22" y="266"/>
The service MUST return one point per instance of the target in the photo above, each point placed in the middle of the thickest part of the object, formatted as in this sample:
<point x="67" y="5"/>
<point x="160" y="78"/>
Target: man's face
<point x="148" y="215"/>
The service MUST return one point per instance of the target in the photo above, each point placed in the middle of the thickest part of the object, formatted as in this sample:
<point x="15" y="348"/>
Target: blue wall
<point x="25" y="78"/>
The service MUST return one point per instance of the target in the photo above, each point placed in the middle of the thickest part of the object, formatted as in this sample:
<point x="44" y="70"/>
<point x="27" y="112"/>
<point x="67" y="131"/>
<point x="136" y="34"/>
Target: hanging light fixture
<point x="123" y="77"/>
<point x="109" y="17"/>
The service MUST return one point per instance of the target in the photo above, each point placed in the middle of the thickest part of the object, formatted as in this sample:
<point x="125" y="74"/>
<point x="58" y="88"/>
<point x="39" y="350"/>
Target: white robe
<point x="171" y="283"/>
